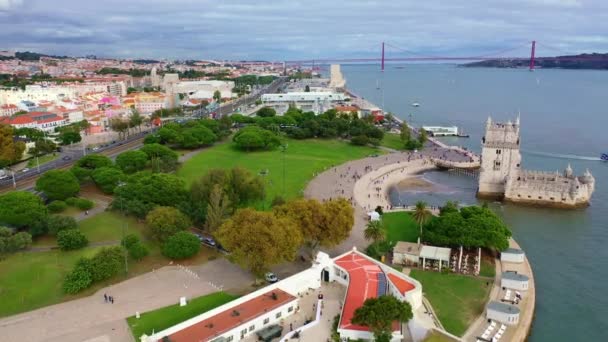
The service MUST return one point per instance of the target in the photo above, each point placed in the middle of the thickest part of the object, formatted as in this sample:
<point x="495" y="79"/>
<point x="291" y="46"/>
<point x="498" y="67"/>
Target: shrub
<point x="166" y="221"/>
<point x="71" y="201"/>
<point x="137" y="251"/>
<point x="79" y="278"/>
<point x="278" y="200"/>
<point x="13" y="243"/>
<point x="57" y="206"/>
<point x="71" y="239"/>
<point x="182" y="245"/>
<point x="129" y="240"/>
<point x="84" y="204"/>
<point x="58" y="184"/>
<point x="107" y="178"/>
<point x="57" y="223"/>
<point x="106" y="263"/>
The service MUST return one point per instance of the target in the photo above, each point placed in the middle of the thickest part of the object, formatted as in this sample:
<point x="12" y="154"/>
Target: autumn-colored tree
<point x="217" y="209"/>
<point x="322" y="224"/>
<point x="258" y="239"/>
<point x="166" y="221"/>
<point x="10" y="150"/>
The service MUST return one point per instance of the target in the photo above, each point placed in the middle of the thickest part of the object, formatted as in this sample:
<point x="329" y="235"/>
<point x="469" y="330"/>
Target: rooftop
<point x="513" y="251"/>
<point x="404" y="247"/>
<point x="233" y="317"/>
<point x="502" y="307"/>
<point x="435" y="253"/>
<point x="402" y="285"/>
<point x="515" y="276"/>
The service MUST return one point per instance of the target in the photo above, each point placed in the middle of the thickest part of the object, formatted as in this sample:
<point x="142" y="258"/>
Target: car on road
<point x="66" y="158"/>
<point x="209" y="241"/>
<point x="271" y="277"/>
<point x="25" y="169"/>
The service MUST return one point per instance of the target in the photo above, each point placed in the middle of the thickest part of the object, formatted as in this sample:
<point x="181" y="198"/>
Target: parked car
<point x="271" y="277"/>
<point x="66" y="158"/>
<point x="208" y="241"/>
<point x="25" y="169"/>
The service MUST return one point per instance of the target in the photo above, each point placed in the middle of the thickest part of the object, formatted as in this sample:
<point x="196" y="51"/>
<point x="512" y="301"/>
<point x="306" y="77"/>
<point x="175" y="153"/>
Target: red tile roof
<point x="227" y="320"/>
<point x="401" y="284"/>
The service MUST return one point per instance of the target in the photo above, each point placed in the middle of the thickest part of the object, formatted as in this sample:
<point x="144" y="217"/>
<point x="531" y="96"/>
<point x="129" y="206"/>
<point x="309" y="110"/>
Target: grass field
<point x="456" y="299"/>
<point x="488" y="269"/>
<point x="168" y="316"/>
<point x="400" y="226"/>
<point x="32" y="163"/>
<point x="302" y="159"/>
<point x="392" y="140"/>
<point x="108" y="226"/>
<point x="437" y="337"/>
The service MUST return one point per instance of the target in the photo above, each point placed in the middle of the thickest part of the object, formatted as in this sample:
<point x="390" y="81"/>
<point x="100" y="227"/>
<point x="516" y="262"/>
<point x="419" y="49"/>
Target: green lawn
<point x="437" y="337"/>
<point x="108" y="226"/>
<point x="392" y="140"/>
<point x="400" y="226"/>
<point x="32" y="280"/>
<point x="43" y="159"/>
<point x="168" y="316"/>
<point x="302" y="159"/>
<point x="488" y="269"/>
<point x="458" y="300"/>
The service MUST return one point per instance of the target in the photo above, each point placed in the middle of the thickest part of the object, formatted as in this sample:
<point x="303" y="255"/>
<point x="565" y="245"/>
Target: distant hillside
<point x="30" y="56"/>
<point x="595" y="61"/>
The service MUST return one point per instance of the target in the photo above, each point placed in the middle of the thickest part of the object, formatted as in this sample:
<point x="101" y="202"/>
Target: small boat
<point x="415" y="104"/>
<point x="377" y="84"/>
<point x="604" y="157"/>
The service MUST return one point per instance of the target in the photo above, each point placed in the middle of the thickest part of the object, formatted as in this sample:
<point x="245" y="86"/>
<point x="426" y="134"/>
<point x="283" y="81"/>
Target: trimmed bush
<point x="107" y="263"/>
<point x="84" y="204"/>
<point x="71" y="201"/>
<point x="57" y="223"/>
<point x="129" y="240"/>
<point x="71" y="239"/>
<point x="57" y="206"/>
<point x="79" y="278"/>
<point x="182" y="245"/>
<point x="137" y="251"/>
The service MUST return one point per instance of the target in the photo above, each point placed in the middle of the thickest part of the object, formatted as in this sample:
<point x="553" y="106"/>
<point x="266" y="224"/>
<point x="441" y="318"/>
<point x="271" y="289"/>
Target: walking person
<point x="105" y="297"/>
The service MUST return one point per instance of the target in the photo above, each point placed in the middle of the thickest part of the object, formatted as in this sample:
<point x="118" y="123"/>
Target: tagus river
<point x="564" y="119"/>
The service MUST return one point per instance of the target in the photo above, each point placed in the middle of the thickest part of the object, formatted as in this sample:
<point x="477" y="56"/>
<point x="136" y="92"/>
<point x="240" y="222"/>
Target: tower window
<point x="498" y="151"/>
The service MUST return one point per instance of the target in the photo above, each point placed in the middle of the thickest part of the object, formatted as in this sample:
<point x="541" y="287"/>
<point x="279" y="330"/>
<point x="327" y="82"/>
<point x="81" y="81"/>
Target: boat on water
<point x="415" y="104"/>
<point x="604" y="157"/>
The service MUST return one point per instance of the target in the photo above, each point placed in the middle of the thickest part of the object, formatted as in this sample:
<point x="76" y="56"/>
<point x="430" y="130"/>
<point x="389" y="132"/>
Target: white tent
<point x="373" y="216"/>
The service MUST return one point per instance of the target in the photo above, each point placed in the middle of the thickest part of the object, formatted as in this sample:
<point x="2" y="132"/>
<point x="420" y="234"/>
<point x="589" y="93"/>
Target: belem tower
<point x="502" y="177"/>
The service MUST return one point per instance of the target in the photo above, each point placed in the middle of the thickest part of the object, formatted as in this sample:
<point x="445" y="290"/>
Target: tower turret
<point x="568" y="171"/>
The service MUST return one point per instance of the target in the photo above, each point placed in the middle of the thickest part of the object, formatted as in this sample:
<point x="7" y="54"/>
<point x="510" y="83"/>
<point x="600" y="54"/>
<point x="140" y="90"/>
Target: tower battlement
<point x="501" y="175"/>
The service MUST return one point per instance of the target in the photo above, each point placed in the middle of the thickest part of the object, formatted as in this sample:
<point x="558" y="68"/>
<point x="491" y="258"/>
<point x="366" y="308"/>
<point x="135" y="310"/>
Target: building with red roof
<point x="363" y="276"/>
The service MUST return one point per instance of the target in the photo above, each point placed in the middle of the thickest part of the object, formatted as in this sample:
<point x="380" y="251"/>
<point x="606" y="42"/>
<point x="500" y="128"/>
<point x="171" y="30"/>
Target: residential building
<point x="8" y="109"/>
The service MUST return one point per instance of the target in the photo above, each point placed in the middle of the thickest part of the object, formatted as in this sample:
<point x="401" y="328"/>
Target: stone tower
<point x="500" y="158"/>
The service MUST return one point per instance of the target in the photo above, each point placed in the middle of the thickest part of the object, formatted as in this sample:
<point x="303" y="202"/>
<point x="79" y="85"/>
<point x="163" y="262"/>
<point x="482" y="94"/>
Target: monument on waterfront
<point x="501" y="175"/>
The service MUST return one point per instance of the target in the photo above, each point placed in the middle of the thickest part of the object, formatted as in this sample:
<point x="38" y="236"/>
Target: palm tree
<point x="421" y="214"/>
<point x="374" y="231"/>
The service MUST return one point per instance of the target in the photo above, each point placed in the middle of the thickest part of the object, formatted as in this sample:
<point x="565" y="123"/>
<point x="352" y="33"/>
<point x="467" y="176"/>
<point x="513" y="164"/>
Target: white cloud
<point x="6" y="5"/>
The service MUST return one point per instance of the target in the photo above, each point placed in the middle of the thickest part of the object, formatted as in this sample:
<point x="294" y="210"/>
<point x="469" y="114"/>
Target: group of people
<point x="108" y="299"/>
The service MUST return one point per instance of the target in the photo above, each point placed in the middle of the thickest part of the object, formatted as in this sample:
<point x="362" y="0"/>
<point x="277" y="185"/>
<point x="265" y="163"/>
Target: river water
<point x="564" y="119"/>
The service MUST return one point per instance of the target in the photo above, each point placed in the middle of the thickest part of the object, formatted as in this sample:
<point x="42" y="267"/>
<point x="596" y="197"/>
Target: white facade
<point x="191" y="87"/>
<point x="439" y="131"/>
<point x="336" y="78"/>
<point x="303" y="97"/>
<point x="512" y="255"/>
<point x="503" y="313"/>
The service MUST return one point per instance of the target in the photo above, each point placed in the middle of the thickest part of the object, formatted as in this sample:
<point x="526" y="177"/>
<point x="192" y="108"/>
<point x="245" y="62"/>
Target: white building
<point x="337" y="80"/>
<point x="364" y="278"/>
<point x="304" y="97"/>
<point x="514" y="281"/>
<point x="513" y="255"/>
<point x="439" y="131"/>
<point x="205" y="86"/>
<point x="503" y="313"/>
<point x="406" y="253"/>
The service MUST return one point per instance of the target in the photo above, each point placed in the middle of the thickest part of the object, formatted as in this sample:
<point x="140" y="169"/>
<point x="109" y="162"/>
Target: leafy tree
<point x="33" y="134"/>
<point x="10" y="150"/>
<point x="277" y="201"/>
<point x="307" y="89"/>
<point x="166" y="221"/>
<point x="43" y="146"/>
<point x="132" y="161"/>
<point x="79" y="278"/>
<point x="135" y="120"/>
<point x="58" y="223"/>
<point x="374" y="231"/>
<point x="138" y="251"/>
<point x="360" y="140"/>
<point x="421" y="214"/>
<point x="255" y="138"/>
<point x="57" y="206"/>
<point x="406" y="134"/>
<point x="71" y="239"/>
<point x="142" y="192"/>
<point x="58" y="184"/>
<point x="470" y="227"/>
<point x="449" y="207"/>
<point x="217" y="209"/>
<point x="120" y="126"/>
<point x="217" y="96"/>
<point x="107" y="178"/>
<point x="266" y="112"/>
<point x="106" y="263"/>
<point x="85" y="166"/>
<point x="161" y="157"/>
<point x="322" y="224"/>
<point x="181" y="245"/>
<point x="258" y="240"/>
<point x="23" y="209"/>
<point x="129" y="240"/>
<point x="378" y="314"/>
<point x="422" y="136"/>
<point x="69" y="137"/>
<point x="10" y="242"/>
<point x="84" y="204"/>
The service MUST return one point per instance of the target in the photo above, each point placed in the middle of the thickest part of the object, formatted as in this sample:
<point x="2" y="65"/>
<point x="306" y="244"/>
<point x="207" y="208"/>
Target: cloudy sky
<point x="294" y="29"/>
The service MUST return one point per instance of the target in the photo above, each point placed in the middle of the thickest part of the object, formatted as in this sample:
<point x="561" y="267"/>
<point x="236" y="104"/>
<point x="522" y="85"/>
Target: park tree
<point x="448" y="207"/>
<point x="322" y="224"/>
<point x="24" y="210"/>
<point x="217" y="209"/>
<point x="307" y="89"/>
<point x="135" y="120"/>
<point x="58" y="223"/>
<point x="68" y="137"/>
<point x="132" y="161"/>
<point x="258" y="240"/>
<point x="43" y="146"/>
<point x="406" y="133"/>
<point x="10" y="243"/>
<point x="32" y="134"/>
<point x="58" y="184"/>
<point x="253" y="138"/>
<point x="197" y="136"/>
<point x="106" y="263"/>
<point x="165" y="222"/>
<point x="217" y="96"/>
<point x="85" y="166"/>
<point x="266" y="112"/>
<point x="181" y="245"/>
<point x="374" y="231"/>
<point x="162" y="158"/>
<point x="107" y="178"/>
<point x="422" y="136"/>
<point x="119" y="126"/>
<point x="378" y="314"/>
<point x="421" y="214"/>
<point x="79" y="278"/>
<point x="10" y="150"/>
<point x="71" y="239"/>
